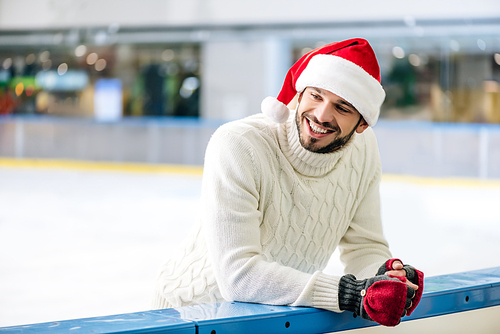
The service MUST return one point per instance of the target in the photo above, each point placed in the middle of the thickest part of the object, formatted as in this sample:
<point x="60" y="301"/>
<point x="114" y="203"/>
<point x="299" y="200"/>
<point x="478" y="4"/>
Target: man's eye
<point x="317" y="97"/>
<point x="343" y="110"/>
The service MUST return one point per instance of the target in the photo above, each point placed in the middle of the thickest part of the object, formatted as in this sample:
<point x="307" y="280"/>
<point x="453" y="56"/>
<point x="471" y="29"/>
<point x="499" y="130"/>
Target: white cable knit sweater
<point x="272" y="215"/>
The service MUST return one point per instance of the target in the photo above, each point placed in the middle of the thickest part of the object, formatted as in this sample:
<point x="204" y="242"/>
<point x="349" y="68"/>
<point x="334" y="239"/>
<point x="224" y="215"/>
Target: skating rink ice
<point x="81" y="240"/>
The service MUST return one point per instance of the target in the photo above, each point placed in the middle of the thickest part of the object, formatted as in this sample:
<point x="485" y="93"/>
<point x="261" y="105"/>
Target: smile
<point x="315" y="129"/>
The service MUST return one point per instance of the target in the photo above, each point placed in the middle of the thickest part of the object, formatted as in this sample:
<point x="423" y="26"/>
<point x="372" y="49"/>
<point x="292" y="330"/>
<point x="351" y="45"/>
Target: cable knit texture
<point x="272" y="214"/>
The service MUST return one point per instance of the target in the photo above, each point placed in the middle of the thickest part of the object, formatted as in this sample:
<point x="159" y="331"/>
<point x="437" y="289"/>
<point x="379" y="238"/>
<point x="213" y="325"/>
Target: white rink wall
<point x="80" y="242"/>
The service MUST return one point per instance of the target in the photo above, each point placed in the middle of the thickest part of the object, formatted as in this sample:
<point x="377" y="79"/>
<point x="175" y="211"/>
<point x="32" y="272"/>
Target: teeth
<point x="316" y="129"/>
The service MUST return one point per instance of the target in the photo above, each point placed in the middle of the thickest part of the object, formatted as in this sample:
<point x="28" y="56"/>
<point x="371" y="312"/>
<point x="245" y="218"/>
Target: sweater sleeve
<point x="363" y="248"/>
<point x="231" y="220"/>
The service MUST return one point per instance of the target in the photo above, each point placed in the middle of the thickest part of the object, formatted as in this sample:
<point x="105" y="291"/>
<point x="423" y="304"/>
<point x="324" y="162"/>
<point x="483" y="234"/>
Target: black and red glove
<point x="413" y="275"/>
<point x="381" y="298"/>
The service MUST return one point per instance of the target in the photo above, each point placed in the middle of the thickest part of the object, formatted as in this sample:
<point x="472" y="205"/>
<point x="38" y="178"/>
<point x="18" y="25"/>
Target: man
<point x="281" y="193"/>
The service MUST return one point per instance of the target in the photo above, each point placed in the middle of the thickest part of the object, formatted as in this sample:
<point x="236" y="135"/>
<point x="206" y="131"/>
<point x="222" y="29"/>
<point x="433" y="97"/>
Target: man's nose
<point x="324" y="113"/>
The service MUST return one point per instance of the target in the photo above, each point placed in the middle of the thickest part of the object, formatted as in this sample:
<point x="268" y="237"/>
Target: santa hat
<point x="348" y="69"/>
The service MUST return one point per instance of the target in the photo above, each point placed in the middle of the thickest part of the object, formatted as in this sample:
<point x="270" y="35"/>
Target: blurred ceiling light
<point x="481" y="44"/>
<point x="62" y="69"/>
<point x="101" y="37"/>
<point x="46" y="65"/>
<point x="100" y="65"/>
<point x="80" y="50"/>
<point x="30" y="59"/>
<point x="398" y="52"/>
<point x="189" y="85"/>
<point x="497" y="58"/>
<point x="92" y="58"/>
<point x="7" y="63"/>
<point x="44" y="56"/>
<point x="19" y="89"/>
<point x="42" y="101"/>
<point x="454" y="45"/>
<point x="414" y="60"/>
<point x="168" y="55"/>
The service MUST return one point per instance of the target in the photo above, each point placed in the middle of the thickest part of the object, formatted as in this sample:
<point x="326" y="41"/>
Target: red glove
<point x="382" y="299"/>
<point x="413" y="275"/>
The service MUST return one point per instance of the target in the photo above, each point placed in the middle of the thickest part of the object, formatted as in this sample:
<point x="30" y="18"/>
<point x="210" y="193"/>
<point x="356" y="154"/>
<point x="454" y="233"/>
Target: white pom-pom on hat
<point x="274" y="109"/>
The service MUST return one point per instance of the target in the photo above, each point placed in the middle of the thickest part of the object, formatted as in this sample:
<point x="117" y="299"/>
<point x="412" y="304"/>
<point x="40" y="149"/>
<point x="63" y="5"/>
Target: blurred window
<point x="157" y="80"/>
<point x="437" y="79"/>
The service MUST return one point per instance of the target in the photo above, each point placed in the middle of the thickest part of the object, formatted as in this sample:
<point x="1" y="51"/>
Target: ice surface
<point x="77" y="244"/>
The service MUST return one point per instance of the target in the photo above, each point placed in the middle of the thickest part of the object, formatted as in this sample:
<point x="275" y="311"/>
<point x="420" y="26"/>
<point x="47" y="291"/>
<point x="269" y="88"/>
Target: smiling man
<point x="281" y="191"/>
<point x="322" y="117"/>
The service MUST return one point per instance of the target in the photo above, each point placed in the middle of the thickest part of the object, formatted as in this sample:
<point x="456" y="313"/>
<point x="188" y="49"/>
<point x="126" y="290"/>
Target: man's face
<point x="326" y="121"/>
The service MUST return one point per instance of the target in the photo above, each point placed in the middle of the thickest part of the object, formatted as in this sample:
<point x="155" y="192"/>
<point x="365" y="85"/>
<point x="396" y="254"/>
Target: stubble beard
<point x="333" y="146"/>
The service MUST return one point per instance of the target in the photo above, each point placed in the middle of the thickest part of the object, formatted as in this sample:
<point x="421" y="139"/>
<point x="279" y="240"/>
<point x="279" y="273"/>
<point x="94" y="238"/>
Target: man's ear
<point x="362" y="126"/>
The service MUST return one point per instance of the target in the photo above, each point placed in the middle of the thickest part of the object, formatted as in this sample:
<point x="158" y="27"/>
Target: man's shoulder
<point x="251" y="127"/>
<point x="242" y="140"/>
<point x="365" y="146"/>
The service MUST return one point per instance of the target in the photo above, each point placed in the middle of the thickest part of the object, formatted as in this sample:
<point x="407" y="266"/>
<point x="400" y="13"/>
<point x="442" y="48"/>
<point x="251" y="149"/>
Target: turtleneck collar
<point x="303" y="161"/>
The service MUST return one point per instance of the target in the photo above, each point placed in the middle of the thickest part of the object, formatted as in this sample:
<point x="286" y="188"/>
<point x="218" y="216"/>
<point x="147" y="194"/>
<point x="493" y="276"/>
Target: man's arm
<point x="363" y="248"/>
<point x="231" y="220"/>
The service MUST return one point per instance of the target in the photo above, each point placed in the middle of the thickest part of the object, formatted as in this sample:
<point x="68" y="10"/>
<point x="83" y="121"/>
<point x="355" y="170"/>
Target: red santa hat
<point x="348" y="69"/>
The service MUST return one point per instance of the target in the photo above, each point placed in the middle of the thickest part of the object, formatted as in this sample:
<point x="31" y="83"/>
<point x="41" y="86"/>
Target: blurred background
<point x="111" y="80"/>
<point x="99" y="99"/>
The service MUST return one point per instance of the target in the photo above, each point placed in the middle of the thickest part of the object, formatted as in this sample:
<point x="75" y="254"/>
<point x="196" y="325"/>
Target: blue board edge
<point x="444" y="294"/>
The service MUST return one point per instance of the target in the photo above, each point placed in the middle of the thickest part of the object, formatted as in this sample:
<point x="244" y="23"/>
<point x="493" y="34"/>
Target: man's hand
<point x="399" y="271"/>
<point x="414" y="278"/>
<point x="381" y="298"/>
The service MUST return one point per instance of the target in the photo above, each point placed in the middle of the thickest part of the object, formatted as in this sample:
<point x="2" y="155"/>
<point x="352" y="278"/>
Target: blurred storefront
<point x="63" y="80"/>
<point x="149" y="81"/>
<point x="445" y="79"/>
<point x="450" y="78"/>
<point x="218" y="58"/>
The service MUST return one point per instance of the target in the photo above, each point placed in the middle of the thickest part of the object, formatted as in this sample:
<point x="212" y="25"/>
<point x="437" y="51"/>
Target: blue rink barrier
<point x="443" y="295"/>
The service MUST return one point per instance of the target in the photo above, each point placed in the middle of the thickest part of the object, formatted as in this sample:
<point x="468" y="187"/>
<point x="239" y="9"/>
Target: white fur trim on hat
<point x="274" y="109"/>
<point x="347" y="80"/>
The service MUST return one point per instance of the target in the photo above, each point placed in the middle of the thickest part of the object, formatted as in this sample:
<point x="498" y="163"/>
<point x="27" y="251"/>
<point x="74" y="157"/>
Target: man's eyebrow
<point x="319" y="91"/>
<point x="344" y="102"/>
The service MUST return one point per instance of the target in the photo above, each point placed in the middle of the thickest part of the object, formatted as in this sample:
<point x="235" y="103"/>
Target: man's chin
<point x="313" y="144"/>
<point x="318" y="146"/>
